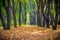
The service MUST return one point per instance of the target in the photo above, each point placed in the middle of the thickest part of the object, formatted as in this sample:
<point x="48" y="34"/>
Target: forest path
<point x="29" y="33"/>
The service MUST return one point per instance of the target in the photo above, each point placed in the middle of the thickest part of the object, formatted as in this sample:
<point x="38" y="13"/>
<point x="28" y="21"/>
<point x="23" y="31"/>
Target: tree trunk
<point x="42" y="11"/>
<point x="38" y="16"/>
<point x="20" y="14"/>
<point x="47" y="16"/>
<point x="2" y="20"/>
<point x="25" y="13"/>
<point x="59" y="22"/>
<point x="59" y="18"/>
<point x="14" y="15"/>
<point x="59" y="13"/>
<point x="56" y="16"/>
<point x="38" y="12"/>
<point x="8" y="13"/>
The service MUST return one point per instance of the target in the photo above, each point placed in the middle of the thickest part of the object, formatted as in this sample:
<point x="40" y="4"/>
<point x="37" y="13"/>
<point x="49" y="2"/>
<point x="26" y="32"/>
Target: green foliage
<point x="6" y="1"/>
<point x="0" y="23"/>
<point x="3" y="11"/>
<point x="28" y="8"/>
<point x="24" y="1"/>
<point x="53" y="9"/>
<point x="1" y="3"/>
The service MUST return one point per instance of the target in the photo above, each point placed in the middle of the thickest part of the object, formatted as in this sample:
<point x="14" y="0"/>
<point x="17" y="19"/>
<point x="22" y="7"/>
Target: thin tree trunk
<point x="42" y="10"/>
<point x="25" y="13"/>
<point x="2" y="20"/>
<point x="59" y="18"/>
<point x="56" y="16"/>
<point x="20" y="14"/>
<point x="48" y="8"/>
<point x="8" y="13"/>
<point x="38" y="16"/>
<point x="38" y="12"/>
<point x="14" y="15"/>
<point x="59" y="13"/>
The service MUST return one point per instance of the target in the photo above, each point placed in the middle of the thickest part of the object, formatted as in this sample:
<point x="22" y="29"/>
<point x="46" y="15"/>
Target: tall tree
<point x="48" y="9"/>
<point x="7" y="12"/>
<point x="8" y="15"/>
<point x="42" y="11"/>
<point x="2" y="20"/>
<point x="59" y="11"/>
<point x="56" y="16"/>
<point x="25" y="12"/>
<point x="38" y="12"/>
<point x="14" y="15"/>
<point x="55" y="19"/>
<point x="20" y="14"/>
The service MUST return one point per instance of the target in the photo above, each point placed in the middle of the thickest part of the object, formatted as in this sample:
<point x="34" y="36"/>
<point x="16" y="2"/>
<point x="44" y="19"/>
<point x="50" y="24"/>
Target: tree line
<point x="48" y="16"/>
<point x="47" y="13"/>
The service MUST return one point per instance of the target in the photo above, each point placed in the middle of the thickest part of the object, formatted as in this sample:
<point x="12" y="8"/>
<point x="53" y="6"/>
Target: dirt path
<point x="29" y="33"/>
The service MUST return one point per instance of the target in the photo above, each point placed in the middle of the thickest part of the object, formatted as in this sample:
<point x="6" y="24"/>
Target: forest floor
<point x="30" y="33"/>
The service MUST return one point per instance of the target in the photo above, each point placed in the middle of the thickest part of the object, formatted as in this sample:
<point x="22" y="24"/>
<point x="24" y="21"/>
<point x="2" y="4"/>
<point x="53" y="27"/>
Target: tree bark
<point x="8" y="13"/>
<point x="59" y="13"/>
<point x="38" y="12"/>
<point x="42" y="11"/>
<point x="20" y="14"/>
<point x="47" y="16"/>
<point x="25" y="13"/>
<point x="14" y="15"/>
<point x="2" y="20"/>
<point x="56" y="16"/>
